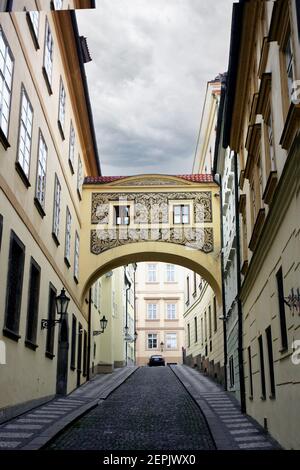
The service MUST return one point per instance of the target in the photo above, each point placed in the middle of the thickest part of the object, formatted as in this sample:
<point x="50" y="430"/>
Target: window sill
<point x="67" y="262"/>
<point x="11" y="334"/>
<point x="22" y="175"/>
<point x="75" y="279"/>
<point x="260" y="219"/>
<point x="32" y="32"/>
<point x="55" y="239"/>
<point x="73" y="368"/>
<point x="39" y="207"/>
<point x="71" y="166"/>
<point x="49" y="355"/>
<point x="263" y="398"/>
<point x="4" y="140"/>
<point x="270" y="187"/>
<point x="60" y="128"/>
<point x="48" y="84"/>
<point x="80" y="197"/>
<point x="29" y="344"/>
<point x="272" y="397"/>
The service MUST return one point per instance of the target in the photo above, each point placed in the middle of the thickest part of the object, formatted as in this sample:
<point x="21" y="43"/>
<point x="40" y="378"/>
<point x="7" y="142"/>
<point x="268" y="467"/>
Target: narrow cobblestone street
<point x="151" y="410"/>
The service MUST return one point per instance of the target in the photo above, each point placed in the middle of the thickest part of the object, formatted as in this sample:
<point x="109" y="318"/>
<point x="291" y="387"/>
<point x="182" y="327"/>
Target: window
<point x="171" y="340"/>
<point x="68" y="237"/>
<point x="209" y="321"/>
<point x="72" y="147"/>
<point x="14" y="287"/>
<point x="51" y="317"/>
<point x="122" y="215"/>
<point x="152" y="273"/>
<point x="196" y="329"/>
<point x="250" y="372"/>
<point x="205" y="325"/>
<point x="33" y="304"/>
<point x="189" y="335"/>
<point x="79" y="353"/>
<point x="231" y="372"/>
<point x="25" y="133"/>
<point x="79" y="177"/>
<point x="41" y="172"/>
<point x="170" y="272"/>
<point x="171" y="311"/>
<point x="85" y="347"/>
<point x="58" y="4"/>
<point x="152" y="311"/>
<point x="262" y="368"/>
<point x="187" y="290"/>
<point x="48" y="57"/>
<point x="76" y="257"/>
<point x="195" y="284"/>
<point x="152" y="341"/>
<point x="33" y="18"/>
<point x="271" y="163"/>
<point x="56" y="210"/>
<point x="62" y="108"/>
<point x="215" y="315"/>
<point x="271" y="361"/>
<point x="280" y="293"/>
<point x="6" y="73"/>
<point x="181" y="214"/>
<point x="201" y="331"/>
<point x="73" y="343"/>
<point x="289" y="62"/>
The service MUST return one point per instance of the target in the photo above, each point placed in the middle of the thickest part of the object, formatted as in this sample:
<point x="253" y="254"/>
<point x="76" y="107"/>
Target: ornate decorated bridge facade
<point x="171" y="219"/>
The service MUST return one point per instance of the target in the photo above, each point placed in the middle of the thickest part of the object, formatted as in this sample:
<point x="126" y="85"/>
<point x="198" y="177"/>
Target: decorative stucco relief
<point x="152" y="207"/>
<point x="197" y="238"/>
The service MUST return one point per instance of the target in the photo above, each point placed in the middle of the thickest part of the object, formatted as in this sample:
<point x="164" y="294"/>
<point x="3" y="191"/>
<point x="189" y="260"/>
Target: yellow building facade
<point x="47" y="145"/>
<point x="159" y="312"/>
<point x="263" y="129"/>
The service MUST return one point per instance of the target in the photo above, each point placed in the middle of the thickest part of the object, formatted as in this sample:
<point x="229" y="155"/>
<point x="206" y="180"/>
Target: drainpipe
<point x="126" y="325"/>
<point x="89" y="335"/>
<point x="239" y="283"/>
<point x="134" y="312"/>
<point x="223" y="285"/>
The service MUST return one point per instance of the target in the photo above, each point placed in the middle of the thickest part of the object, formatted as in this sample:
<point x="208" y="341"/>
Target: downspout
<point x="126" y="325"/>
<point x="134" y="313"/>
<point x="239" y="283"/>
<point x="89" y="335"/>
<point x="223" y="286"/>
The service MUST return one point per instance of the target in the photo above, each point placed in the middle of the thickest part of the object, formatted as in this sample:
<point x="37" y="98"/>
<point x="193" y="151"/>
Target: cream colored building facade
<point x="263" y="129"/>
<point x="203" y="327"/>
<point x="159" y="312"/>
<point x="47" y="145"/>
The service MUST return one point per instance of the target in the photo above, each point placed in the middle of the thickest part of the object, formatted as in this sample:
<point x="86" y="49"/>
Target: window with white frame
<point x="171" y="311"/>
<point x="35" y="19"/>
<point x="72" y="146"/>
<point x="151" y="311"/>
<point x="170" y="273"/>
<point x="25" y="133"/>
<point x="68" y="236"/>
<point x="6" y="73"/>
<point x="40" y="190"/>
<point x="48" y="53"/>
<point x="58" y="4"/>
<point x="62" y="105"/>
<point x="289" y="60"/>
<point x="152" y="273"/>
<point x="56" y="208"/>
<point x="122" y="215"/>
<point x="152" y="341"/>
<point x="79" y="176"/>
<point x="181" y="214"/>
<point x="171" y="340"/>
<point x="76" y="257"/>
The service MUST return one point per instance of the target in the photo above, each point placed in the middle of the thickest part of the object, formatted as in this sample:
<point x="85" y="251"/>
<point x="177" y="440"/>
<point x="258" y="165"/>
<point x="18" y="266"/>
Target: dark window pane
<point x="51" y="317"/>
<point x="14" y="283"/>
<point x="250" y="371"/>
<point x="73" y="345"/>
<point x="271" y="361"/>
<point x="280" y="290"/>
<point x="33" y="302"/>
<point x="262" y="367"/>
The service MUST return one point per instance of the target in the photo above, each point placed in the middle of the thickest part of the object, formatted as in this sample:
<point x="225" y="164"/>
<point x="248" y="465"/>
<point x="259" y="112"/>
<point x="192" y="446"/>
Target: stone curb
<point x="49" y="433"/>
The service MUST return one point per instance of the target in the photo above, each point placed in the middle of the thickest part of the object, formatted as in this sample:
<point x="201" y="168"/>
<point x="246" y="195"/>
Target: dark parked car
<point x="156" y="360"/>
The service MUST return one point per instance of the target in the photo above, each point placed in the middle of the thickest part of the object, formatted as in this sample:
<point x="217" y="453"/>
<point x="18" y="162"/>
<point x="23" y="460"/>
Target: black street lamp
<point x="62" y="303"/>
<point x="103" y="324"/>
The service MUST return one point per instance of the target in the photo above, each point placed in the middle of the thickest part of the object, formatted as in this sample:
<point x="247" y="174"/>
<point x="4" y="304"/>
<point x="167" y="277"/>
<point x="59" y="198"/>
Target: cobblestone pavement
<point x="150" y="411"/>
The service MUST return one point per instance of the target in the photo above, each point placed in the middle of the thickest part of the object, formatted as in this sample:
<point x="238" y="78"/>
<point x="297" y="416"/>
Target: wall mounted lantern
<point x="103" y="325"/>
<point x="62" y="303"/>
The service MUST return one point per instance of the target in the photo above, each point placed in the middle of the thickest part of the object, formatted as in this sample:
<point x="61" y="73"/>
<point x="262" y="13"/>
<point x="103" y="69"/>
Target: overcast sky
<point x="151" y="62"/>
